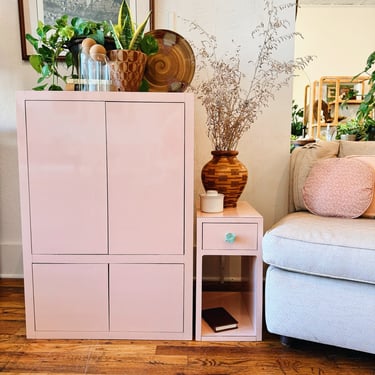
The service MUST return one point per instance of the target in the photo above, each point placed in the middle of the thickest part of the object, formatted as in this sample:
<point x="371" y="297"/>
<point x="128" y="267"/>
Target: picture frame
<point x="30" y="11"/>
<point x="331" y="93"/>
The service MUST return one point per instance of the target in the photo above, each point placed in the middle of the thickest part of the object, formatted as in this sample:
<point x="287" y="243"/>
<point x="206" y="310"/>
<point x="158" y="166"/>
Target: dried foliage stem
<point x="230" y="109"/>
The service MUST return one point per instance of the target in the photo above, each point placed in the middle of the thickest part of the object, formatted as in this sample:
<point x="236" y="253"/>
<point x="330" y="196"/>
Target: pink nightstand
<point x="236" y="236"/>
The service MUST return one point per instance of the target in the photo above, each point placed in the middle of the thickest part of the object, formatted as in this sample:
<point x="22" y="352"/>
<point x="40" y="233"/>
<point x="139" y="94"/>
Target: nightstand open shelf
<point x="238" y="305"/>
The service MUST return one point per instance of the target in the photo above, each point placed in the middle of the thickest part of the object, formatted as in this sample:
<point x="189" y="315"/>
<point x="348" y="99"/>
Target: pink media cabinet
<point x="106" y="185"/>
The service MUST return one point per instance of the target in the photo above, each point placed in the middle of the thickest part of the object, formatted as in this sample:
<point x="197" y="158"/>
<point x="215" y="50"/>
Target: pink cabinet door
<point x="146" y="178"/>
<point x="67" y="177"/>
<point x="71" y="297"/>
<point x="147" y="298"/>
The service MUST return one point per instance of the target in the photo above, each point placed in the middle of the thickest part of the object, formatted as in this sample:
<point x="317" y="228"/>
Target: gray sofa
<point x="320" y="282"/>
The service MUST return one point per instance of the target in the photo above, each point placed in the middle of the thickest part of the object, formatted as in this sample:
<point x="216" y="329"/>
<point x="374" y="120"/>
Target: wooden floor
<point x="21" y="356"/>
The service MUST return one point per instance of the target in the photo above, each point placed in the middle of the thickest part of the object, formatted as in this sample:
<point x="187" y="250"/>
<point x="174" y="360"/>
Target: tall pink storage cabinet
<point x="106" y="187"/>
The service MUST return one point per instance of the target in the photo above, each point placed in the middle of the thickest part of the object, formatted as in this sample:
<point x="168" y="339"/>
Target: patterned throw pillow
<point x="341" y="187"/>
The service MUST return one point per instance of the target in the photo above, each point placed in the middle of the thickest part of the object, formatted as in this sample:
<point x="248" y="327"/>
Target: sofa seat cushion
<point x="324" y="246"/>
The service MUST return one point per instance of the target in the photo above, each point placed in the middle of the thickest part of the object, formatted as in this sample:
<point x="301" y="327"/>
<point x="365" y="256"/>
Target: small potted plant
<point x="351" y="130"/>
<point x="132" y="47"/>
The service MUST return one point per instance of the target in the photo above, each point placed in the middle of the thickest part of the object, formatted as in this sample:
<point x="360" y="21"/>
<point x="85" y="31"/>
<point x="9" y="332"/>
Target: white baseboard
<point x="11" y="260"/>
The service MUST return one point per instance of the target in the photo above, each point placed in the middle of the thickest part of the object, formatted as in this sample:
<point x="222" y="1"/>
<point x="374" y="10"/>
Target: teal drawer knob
<point x="230" y="237"/>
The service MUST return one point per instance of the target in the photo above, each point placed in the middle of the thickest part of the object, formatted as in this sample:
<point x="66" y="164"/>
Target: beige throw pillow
<point x="302" y="159"/>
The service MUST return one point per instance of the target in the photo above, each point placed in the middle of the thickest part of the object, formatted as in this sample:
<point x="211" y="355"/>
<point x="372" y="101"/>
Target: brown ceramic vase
<point x="226" y="174"/>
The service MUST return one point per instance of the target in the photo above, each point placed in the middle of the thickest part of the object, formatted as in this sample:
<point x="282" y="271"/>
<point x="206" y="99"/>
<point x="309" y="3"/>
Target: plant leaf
<point x="40" y="88"/>
<point x="149" y="45"/>
<point x="137" y="37"/>
<point x="33" y="41"/>
<point x="115" y="37"/>
<point x="36" y="62"/>
<point x="125" y="22"/>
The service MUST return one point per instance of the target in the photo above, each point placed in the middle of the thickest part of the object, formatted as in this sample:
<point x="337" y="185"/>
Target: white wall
<point x="264" y="149"/>
<point x="341" y="38"/>
<point x="14" y="75"/>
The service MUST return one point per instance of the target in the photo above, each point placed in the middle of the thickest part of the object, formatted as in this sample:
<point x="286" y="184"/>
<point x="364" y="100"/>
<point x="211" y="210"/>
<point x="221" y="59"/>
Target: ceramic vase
<point x="226" y="174"/>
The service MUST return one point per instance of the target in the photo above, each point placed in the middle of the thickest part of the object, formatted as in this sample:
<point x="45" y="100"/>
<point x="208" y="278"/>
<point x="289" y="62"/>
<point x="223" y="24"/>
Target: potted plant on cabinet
<point x="232" y="109"/>
<point x="132" y="48"/>
<point x="58" y="39"/>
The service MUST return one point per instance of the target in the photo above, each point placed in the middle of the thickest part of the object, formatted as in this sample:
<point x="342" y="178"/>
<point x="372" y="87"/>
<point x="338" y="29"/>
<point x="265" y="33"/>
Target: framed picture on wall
<point x="30" y="11"/>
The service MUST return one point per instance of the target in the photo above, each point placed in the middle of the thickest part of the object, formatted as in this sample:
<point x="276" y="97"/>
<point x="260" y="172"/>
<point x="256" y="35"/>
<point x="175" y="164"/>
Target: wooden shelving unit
<point x="325" y="99"/>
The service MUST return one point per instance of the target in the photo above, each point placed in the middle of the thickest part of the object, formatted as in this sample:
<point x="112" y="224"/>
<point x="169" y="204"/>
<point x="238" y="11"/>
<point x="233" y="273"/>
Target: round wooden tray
<point x="172" y="68"/>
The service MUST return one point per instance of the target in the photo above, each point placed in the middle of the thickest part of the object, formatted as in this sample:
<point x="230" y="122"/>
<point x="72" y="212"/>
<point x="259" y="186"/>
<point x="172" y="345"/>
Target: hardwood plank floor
<point x="128" y="357"/>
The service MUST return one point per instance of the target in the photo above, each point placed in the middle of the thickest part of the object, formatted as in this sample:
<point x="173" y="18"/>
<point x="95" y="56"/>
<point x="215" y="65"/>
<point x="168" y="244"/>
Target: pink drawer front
<point x="217" y="236"/>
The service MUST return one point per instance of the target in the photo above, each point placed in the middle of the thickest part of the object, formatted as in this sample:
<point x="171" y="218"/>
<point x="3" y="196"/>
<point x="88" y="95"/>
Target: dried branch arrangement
<point x="231" y="109"/>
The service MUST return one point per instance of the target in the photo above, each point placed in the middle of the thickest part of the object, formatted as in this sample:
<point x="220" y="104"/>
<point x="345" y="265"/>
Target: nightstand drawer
<point x="236" y="236"/>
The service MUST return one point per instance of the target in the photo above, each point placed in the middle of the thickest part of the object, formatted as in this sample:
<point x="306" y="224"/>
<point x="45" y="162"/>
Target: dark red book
<point x="219" y="319"/>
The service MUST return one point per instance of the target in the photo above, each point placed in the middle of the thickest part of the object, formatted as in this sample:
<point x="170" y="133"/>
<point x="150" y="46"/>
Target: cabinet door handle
<point x="230" y="237"/>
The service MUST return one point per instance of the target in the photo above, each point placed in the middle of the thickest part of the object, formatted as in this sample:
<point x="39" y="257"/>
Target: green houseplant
<point x="53" y="41"/>
<point x="352" y="127"/>
<point x="297" y="126"/>
<point x="365" y="113"/>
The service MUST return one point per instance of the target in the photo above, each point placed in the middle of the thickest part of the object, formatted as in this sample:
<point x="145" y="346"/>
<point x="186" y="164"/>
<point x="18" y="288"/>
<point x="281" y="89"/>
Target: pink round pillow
<point x="339" y="187"/>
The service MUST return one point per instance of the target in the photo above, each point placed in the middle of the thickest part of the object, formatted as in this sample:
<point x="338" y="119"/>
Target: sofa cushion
<point x="356" y="148"/>
<point x="325" y="246"/>
<point x="302" y="159"/>
<point x="329" y="189"/>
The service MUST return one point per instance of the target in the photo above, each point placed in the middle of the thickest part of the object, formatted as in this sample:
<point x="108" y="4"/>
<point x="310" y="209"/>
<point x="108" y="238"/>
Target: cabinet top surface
<point x="104" y="96"/>
<point x="243" y="209"/>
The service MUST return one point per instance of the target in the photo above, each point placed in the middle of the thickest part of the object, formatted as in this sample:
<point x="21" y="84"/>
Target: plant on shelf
<point x="297" y="126"/>
<point x="352" y="127"/>
<point x="365" y="113"/>
<point x="53" y="41"/>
